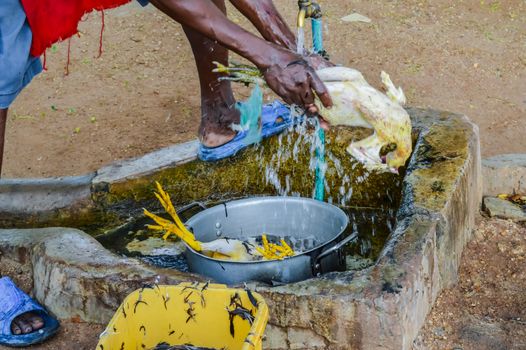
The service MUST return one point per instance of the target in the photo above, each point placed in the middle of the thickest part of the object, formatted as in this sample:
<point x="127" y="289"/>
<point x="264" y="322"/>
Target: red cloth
<point x="55" y="20"/>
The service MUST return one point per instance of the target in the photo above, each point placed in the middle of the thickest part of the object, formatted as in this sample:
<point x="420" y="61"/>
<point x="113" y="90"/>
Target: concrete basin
<point x="380" y="307"/>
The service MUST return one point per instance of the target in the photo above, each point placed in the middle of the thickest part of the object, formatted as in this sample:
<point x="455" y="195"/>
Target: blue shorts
<point x="17" y="66"/>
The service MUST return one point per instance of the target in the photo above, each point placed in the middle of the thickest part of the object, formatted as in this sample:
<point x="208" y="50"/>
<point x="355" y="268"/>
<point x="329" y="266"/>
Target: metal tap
<point x="308" y="9"/>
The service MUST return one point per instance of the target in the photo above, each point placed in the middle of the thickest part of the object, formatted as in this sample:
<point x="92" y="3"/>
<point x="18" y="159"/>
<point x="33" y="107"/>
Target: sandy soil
<point x="487" y="309"/>
<point x="72" y="335"/>
<point x="142" y="94"/>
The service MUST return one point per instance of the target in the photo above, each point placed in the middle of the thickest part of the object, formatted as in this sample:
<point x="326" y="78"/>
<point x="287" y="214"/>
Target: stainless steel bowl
<point x="298" y="219"/>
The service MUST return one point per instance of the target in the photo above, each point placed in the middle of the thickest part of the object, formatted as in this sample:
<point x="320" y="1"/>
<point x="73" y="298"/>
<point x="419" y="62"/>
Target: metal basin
<point x="313" y="224"/>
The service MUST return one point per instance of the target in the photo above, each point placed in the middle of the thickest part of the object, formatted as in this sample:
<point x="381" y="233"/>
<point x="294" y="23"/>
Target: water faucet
<point x="308" y="9"/>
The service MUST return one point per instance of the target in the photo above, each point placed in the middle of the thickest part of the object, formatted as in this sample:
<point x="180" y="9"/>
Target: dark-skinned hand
<point x="318" y="62"/>
<point x="297" y="82"/>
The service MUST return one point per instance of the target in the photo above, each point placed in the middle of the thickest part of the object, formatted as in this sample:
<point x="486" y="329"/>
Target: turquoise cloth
<point x="17" y="66"/>
<point x="250" y="111"/>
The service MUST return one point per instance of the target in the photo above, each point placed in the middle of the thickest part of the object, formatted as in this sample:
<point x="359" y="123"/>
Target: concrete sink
<point x="379" y="307"/>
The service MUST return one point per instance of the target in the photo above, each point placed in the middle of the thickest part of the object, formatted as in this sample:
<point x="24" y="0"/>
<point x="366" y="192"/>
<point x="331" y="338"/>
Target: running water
<point x="301" y="144"/>
<point x="300" y="41"/>
<point x="320" y="165"/>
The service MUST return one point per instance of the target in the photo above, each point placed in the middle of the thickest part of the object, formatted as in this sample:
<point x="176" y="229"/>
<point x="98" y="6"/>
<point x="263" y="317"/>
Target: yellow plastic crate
<point x="201" y="315"/>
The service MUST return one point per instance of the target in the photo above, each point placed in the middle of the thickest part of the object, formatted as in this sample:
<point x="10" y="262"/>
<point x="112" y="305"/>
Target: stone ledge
<point x="37" y="201"/>
<point x="382" y="307"/>
<point x="504" y="174"/>
<point x="503" y="209"/>
<point x="29" y="196"/>
<point x="150" y="163"/>
<point x="73" y="275"/>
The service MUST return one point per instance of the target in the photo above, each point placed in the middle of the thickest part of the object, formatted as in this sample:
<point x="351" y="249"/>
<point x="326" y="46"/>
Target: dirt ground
<point x="142" y="94"/>
<point x="72" y="335"/>
<point x="487" y="309"/>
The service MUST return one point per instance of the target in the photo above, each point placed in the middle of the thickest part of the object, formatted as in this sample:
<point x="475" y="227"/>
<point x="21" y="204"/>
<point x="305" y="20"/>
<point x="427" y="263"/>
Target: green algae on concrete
<point x="439" y="159"/>
<point x="85" y="216"/>
<point x="244" y="175"/>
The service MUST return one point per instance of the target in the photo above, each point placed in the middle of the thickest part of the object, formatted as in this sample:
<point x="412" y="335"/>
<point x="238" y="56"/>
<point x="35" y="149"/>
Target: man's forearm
<point x="204" y="17"/>
<point x="268" y="21"/>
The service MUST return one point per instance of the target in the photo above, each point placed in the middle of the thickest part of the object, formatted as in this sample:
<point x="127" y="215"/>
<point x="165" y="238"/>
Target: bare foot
<point x="27" y="323"/>
<point x="216" y="123"/>
<point x="213" y="139"/>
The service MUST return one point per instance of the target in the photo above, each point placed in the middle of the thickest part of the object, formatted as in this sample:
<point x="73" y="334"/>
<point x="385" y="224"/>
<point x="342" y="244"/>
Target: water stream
<point x="300" y="41"/>
<point x="300" y="144"/>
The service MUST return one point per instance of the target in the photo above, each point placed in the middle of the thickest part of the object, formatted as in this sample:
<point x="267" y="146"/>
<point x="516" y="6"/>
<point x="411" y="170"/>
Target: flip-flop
<point x="13" y="303"/>
<point x="275" y="118"/>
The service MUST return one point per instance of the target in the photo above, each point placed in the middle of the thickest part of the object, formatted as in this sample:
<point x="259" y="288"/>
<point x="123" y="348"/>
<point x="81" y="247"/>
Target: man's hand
<point x="297" y="83"/>
<point x="318" y="62"/>
<point x="286" y="73"/>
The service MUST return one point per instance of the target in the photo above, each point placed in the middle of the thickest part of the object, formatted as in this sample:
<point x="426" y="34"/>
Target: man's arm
<point x="284" y="71"/>
<point x="268" y="21"/>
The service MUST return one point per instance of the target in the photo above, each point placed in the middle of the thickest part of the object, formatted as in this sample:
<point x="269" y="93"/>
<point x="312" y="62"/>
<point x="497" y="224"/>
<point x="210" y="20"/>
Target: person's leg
<point x="16" y="72"/>
<point x="28" y="322"/>
<point x="3" y="120"/>
<point x="218" y="110"/>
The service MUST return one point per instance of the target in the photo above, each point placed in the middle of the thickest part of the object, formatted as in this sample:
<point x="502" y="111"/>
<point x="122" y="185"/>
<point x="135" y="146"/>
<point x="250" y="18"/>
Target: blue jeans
<point x="17" y="66"/>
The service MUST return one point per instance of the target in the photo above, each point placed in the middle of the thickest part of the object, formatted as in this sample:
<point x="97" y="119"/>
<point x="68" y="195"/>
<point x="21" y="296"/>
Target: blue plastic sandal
<point x="13" y="303"/>
<point x="275" y="118"/>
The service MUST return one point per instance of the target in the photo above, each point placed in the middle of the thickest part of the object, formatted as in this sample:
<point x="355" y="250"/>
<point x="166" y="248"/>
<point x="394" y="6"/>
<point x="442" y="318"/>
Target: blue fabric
<point x="143" y="2"/>
<point x="17" y="66"/>
<point x="250" y="111"/>
<point x="275" y="118"/>
<point x="13" y="303"/>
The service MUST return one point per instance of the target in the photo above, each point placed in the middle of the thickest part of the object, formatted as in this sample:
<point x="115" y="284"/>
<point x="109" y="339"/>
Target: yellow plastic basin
<point x="195" y="314"/>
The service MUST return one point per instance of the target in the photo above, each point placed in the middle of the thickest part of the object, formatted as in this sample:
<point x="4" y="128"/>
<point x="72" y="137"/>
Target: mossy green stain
<point x="243" y="176"/>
